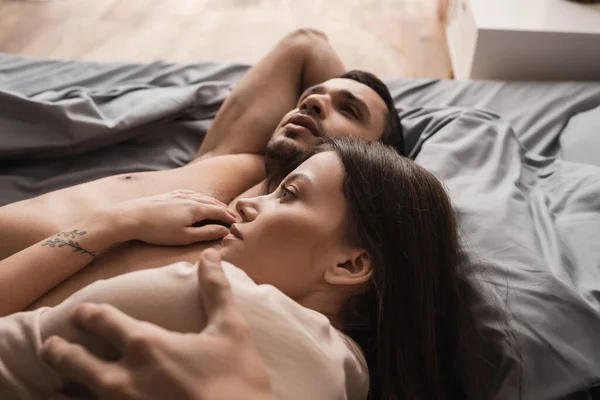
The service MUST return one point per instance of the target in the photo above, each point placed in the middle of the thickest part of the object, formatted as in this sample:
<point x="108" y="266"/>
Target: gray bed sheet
<point x="529" y="214"/>
<point x="61" y="121"/>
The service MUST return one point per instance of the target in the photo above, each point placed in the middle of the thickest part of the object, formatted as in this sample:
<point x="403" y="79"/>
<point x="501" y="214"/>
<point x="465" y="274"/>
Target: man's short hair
<point x="392" y="133"/>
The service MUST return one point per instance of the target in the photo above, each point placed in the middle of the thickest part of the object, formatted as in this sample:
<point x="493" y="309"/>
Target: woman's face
<point x="290" y="237"/>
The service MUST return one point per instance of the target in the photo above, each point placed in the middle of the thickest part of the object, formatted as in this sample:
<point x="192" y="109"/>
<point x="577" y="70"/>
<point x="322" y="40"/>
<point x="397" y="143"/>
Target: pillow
<point x="580" y="139"/>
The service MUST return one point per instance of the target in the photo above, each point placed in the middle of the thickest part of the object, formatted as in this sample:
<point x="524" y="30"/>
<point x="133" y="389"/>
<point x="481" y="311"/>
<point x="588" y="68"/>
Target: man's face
<point x="337" y="107"/>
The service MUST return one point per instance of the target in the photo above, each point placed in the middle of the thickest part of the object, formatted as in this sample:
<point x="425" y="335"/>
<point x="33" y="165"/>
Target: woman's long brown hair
<point x="413" y="322"/>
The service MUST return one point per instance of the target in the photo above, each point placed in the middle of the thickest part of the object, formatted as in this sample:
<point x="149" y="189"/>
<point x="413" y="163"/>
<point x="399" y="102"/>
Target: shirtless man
<point x="253" y="131"/>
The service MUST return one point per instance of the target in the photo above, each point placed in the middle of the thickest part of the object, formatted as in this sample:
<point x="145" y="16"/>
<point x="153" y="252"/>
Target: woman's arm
<point x="166" y="219"/>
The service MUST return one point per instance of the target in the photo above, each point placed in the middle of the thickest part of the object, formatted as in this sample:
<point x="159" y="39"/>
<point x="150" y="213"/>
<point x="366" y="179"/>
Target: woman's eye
<point x="285" y="193"/>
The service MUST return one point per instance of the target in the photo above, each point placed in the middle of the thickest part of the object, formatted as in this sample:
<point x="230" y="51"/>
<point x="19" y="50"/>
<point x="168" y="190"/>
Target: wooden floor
<point x="387" y="37"/>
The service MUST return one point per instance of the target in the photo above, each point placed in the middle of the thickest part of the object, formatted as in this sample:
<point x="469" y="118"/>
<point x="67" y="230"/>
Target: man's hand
<point x="169" y="219"/>
<point x="220" y="363"/>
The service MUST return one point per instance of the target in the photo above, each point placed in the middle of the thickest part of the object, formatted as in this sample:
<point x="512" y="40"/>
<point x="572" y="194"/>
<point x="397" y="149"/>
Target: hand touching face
<point x="173" y="218"/>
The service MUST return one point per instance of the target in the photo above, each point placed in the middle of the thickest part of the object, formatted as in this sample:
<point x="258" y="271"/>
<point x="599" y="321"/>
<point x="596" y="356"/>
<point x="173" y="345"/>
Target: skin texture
<point x="340" y="107"/>
<point x="248" y="117"/>
<point x="227" y="165"/>
<point x="165" y="219"/>
<point x="245" y="124"/>
<point x="220" y="363"/>
<point x="280" y="236"/>
<point x="335" y="113"/>
<point x="295" y="239"/>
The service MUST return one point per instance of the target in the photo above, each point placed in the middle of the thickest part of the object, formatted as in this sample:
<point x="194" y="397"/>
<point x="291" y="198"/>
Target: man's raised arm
<point x="248" y="117"/>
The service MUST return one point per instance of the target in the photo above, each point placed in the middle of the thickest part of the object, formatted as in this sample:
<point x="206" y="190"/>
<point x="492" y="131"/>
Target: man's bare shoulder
<point x="230" y="174"/>
<point x="210" y="158"/>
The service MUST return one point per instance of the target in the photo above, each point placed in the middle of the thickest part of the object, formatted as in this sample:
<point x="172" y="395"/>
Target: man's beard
<point x="284" y="155"/>
<point x="281" y="158"/>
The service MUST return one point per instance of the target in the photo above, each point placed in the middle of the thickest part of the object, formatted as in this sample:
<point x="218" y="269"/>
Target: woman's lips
<point x="235" y="232"/>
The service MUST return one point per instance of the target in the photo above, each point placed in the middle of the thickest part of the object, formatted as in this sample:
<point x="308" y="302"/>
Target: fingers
<point x="73" y="362"/>
<point x="211" y="200"/>
<point x="206" y="211"/>
<point x="107" y="322"/>
<point x="215" y="291"/>
<point x="206" y="233"/>
<point x="199" y="197"/>
<point x="203" y="201"/>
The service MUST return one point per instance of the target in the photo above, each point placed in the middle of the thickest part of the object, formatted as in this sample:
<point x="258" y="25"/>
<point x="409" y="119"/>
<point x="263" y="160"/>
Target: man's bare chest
<point x="28" y="222"/>
<point x="224" y="181"/>
<point x="223" y="178"/>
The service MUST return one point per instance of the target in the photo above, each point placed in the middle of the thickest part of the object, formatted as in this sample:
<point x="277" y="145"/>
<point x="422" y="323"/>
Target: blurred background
<point x="399" y="38"/>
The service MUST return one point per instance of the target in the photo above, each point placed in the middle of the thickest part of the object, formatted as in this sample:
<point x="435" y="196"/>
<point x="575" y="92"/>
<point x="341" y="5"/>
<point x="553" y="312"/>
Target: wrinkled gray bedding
<point x="517" y="158"/>
<point x="60" y="120"/>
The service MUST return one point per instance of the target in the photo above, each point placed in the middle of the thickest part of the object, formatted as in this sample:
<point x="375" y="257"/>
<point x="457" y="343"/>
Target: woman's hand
<point x="168" y="219"/>
<point x="219" y="363"/>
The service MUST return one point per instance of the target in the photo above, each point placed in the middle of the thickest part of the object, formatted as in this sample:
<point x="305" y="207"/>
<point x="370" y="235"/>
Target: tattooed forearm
<point x="63" y="239"/>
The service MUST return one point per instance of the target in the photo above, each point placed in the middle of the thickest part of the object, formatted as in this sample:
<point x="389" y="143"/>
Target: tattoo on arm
<point x="63" y="239"/>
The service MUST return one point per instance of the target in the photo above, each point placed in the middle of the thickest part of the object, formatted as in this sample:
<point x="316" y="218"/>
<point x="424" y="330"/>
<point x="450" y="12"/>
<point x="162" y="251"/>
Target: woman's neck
<point x="327" y="302"/>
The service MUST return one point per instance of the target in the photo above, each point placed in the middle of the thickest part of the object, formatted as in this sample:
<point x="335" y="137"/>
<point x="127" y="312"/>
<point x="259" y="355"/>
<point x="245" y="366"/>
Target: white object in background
<point x="524" y="39"/>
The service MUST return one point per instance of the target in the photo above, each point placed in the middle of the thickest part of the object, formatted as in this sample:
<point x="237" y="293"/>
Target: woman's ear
<point x="355" y="270"/>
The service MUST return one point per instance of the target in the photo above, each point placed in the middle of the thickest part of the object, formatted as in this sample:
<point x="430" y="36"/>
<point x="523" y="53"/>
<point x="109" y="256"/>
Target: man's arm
<point x="28" y="274"/>
<point x="162" y="220"/>
<point x="247" y="119"/>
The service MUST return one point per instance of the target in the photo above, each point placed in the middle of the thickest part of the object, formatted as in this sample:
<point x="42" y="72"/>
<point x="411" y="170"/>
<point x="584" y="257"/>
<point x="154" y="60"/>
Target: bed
<point x="521" y="161"/>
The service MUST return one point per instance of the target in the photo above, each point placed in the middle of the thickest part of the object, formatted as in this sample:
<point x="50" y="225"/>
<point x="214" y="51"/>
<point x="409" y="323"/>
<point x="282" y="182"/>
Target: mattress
<point x="517" y="158"/>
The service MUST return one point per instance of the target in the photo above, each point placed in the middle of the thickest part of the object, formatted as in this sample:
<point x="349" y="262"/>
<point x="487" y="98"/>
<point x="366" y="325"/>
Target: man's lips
<point x="305" y="121"/>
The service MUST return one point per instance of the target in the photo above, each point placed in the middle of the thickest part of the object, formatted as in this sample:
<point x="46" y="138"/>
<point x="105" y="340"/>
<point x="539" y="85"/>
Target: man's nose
<point x="247" y="208"/>
<point x="316" y="105"/>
